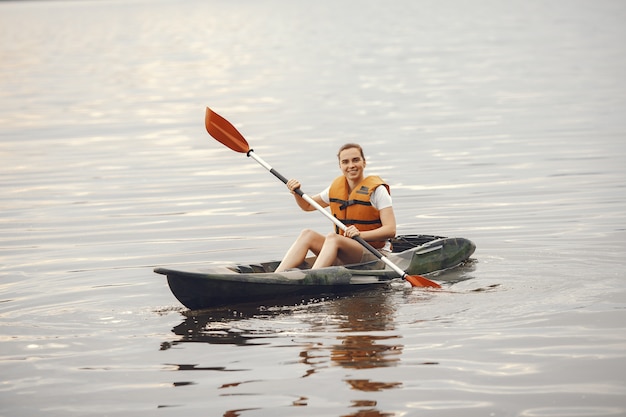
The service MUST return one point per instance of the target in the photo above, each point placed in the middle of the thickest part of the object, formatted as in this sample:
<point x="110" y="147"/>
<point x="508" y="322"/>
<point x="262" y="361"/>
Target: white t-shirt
<point x="380" y="197"/>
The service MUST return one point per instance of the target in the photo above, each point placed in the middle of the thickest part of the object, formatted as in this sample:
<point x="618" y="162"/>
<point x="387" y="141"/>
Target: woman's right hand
<point x="293" y="185"/>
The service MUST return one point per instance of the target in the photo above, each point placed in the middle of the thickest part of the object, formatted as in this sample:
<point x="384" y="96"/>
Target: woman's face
<point x="351" y="164"/>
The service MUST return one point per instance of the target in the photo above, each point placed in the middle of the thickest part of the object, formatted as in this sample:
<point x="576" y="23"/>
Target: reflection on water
<point x="354" y="332"/>
<point x="366" y="351"/>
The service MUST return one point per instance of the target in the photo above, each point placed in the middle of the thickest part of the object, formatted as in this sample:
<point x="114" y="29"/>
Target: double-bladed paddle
<point x="223" y="131"/>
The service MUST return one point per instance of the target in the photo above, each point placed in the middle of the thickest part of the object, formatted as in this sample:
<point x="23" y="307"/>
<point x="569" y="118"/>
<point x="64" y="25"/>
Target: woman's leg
<point x="308" y="240"/>
<point x="337" y="247"/>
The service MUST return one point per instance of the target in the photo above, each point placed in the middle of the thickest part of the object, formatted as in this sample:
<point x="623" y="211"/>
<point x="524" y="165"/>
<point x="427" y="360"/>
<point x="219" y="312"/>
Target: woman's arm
<point x="304" y="205"/>
<point x="384" y="232"/>
<point x="293" y="185"/>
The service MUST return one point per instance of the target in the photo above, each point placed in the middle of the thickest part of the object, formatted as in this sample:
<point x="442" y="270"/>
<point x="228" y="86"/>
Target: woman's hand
<point x="293" y="185"/>
<point x="352" y="232"/>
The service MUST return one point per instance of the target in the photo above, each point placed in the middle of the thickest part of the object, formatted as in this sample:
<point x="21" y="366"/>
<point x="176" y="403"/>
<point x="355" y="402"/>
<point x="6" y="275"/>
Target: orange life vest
<point x="356" y="208"/>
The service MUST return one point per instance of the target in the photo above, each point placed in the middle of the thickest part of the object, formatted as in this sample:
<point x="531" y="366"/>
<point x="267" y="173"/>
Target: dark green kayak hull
<point x="219" y="286"/>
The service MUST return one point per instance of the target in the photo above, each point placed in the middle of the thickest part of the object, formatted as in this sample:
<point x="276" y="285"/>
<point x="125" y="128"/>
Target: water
<point x="499" y="122"/>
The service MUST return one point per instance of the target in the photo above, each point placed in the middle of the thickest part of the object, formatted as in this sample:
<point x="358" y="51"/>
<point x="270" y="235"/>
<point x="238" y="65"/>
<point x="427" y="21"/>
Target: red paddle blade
<point x="224" y="132"/>
<point x="419" y="281"/>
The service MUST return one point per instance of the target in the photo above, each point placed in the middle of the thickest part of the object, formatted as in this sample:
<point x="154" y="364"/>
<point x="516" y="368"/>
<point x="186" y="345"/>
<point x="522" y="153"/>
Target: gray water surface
<point x="501" y="122"/>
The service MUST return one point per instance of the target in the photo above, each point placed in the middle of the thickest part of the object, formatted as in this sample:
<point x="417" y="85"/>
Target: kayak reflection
<point x="355" y="332"/>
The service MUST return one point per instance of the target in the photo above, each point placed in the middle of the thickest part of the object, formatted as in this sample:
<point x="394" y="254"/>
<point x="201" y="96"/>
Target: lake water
<point x="501" y="122"/>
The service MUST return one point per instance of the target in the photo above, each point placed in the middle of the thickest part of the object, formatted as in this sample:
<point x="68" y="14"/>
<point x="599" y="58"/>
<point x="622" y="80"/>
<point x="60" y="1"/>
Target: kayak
<point x="216" y="286"/>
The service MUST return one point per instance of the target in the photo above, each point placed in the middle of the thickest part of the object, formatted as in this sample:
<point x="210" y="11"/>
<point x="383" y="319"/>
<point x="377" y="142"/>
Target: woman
<point x="362" y="203"/>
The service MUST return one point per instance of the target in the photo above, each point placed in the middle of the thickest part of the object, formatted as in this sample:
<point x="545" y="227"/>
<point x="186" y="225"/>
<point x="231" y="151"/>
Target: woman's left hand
<point x="352" y="232"/>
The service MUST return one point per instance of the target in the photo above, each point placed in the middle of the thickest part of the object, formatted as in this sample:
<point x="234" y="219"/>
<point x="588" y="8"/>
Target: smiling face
<point x="352" y="165"/>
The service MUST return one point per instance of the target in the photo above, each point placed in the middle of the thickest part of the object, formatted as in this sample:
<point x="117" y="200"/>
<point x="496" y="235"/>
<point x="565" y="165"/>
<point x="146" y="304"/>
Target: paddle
<point x="223" y="131"/>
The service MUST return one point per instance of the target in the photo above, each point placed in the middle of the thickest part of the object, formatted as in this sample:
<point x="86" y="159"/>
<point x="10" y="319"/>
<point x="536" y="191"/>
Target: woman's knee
<point x="308" y="234"/>
<point x="332" y="238"/>
<point x="311" y="238"/>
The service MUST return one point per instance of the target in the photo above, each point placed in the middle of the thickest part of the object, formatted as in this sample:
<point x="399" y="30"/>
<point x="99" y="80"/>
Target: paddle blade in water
<point x="224" y="132"/>
<point x="419" y="281"/>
